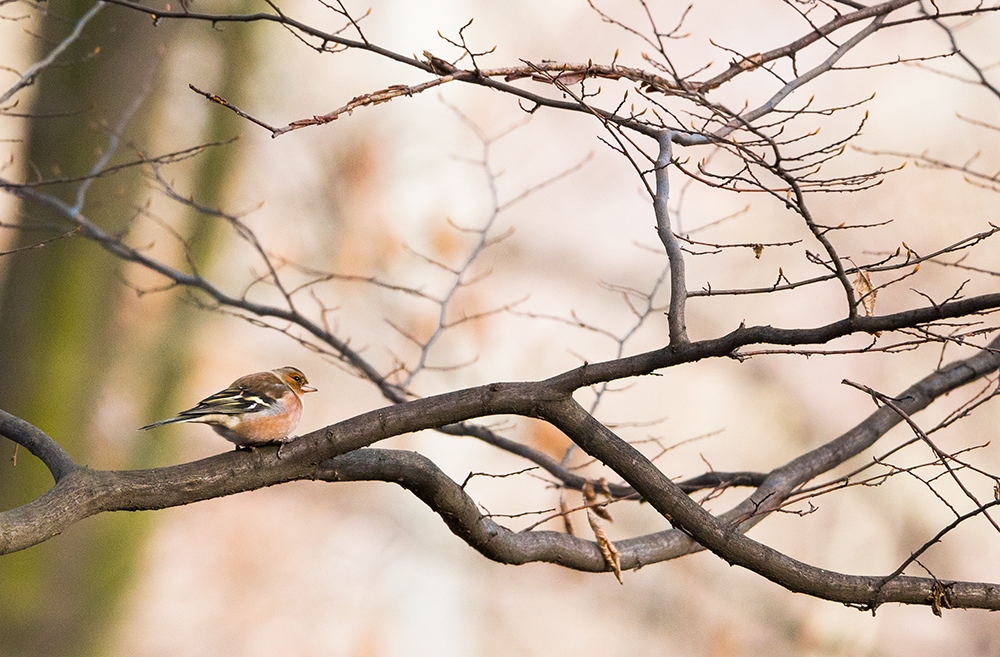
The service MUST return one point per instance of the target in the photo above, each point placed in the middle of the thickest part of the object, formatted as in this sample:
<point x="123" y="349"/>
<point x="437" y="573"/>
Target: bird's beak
<point x="309" y="388"/>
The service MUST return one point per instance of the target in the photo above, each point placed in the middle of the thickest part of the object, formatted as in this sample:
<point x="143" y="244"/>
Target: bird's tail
<point x="169" y="420"/>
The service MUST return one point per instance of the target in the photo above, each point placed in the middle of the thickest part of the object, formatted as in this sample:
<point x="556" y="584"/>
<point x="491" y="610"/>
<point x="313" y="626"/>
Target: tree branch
<point x="38" y="443"/>
<point x="31" y="74"/>
<point x="735" y="548"/>
<point x="678" y="282"/>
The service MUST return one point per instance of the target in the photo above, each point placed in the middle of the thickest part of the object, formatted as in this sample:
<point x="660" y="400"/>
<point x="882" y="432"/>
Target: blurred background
<point x="364" y="569"/>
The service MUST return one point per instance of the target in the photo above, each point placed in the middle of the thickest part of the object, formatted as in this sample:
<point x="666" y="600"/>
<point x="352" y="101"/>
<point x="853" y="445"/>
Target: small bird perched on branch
<point x="256" y="409"/>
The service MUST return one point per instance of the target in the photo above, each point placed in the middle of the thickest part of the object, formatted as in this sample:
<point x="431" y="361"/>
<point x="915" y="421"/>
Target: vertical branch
<point x="678" y="285"/>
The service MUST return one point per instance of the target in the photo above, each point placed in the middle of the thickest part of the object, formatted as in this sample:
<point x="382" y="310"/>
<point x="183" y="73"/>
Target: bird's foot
<point x="283" y="443"/>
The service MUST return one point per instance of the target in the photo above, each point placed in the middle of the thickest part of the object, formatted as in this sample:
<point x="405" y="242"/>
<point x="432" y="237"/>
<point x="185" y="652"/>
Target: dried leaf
<point x="863" y="286"/>
<point x="564" y="512"/>
<point x="590" y="497"/>
<point x="939" y="598"/>
<point x="571" y="78"/>
<point x="610" y="552"/>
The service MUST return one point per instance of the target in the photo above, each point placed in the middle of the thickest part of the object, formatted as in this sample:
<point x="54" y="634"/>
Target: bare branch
<point x="38" y="443"/>
<point x="678" y="283"/>
<point x="35" y="69"/>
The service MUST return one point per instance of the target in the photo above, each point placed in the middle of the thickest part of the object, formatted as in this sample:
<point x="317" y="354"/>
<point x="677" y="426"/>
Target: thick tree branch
<point x="80" y="493"/>
<point x="38" y="443"/>
<point x="727" y="542"/>
<point x="419" y="475"/>
<point x="88" y="492"/>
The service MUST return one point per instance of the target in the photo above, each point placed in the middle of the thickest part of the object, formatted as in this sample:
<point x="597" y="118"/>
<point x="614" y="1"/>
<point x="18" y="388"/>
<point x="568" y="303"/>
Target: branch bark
<point x="678" y="282"/>
<point x="727" y="542"/>
<point x="334" y="454"/>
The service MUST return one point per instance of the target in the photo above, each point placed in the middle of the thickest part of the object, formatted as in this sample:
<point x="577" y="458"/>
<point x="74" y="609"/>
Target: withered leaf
<point x="591" y="499"/>
<point x="863" y="286"/>
<point x="564" y="512"/>
<point x="610" y="552"/>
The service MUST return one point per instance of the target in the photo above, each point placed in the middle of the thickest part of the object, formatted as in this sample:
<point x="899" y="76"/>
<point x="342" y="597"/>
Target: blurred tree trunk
<point x="59" y="306"/>
<point x="59" y="334"/>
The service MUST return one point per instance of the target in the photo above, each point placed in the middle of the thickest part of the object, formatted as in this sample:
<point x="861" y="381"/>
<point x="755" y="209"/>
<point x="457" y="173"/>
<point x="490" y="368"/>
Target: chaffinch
<point x="256" y="409"/>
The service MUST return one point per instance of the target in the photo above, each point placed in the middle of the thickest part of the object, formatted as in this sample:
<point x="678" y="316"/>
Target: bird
<point x="256" y="409"/>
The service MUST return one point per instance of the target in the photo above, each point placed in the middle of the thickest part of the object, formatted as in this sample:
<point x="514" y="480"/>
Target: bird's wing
<point x="234" y="400"/>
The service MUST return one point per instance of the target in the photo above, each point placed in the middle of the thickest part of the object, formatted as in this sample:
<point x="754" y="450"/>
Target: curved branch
<point x="419" y="475"/>
<point x="727" y="542"/>
<point x="38" y="443"/>
<point x="81" y="492"/>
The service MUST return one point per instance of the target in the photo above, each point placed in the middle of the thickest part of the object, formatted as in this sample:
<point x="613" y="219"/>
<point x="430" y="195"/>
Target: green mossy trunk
<point x="60" y="334"/>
